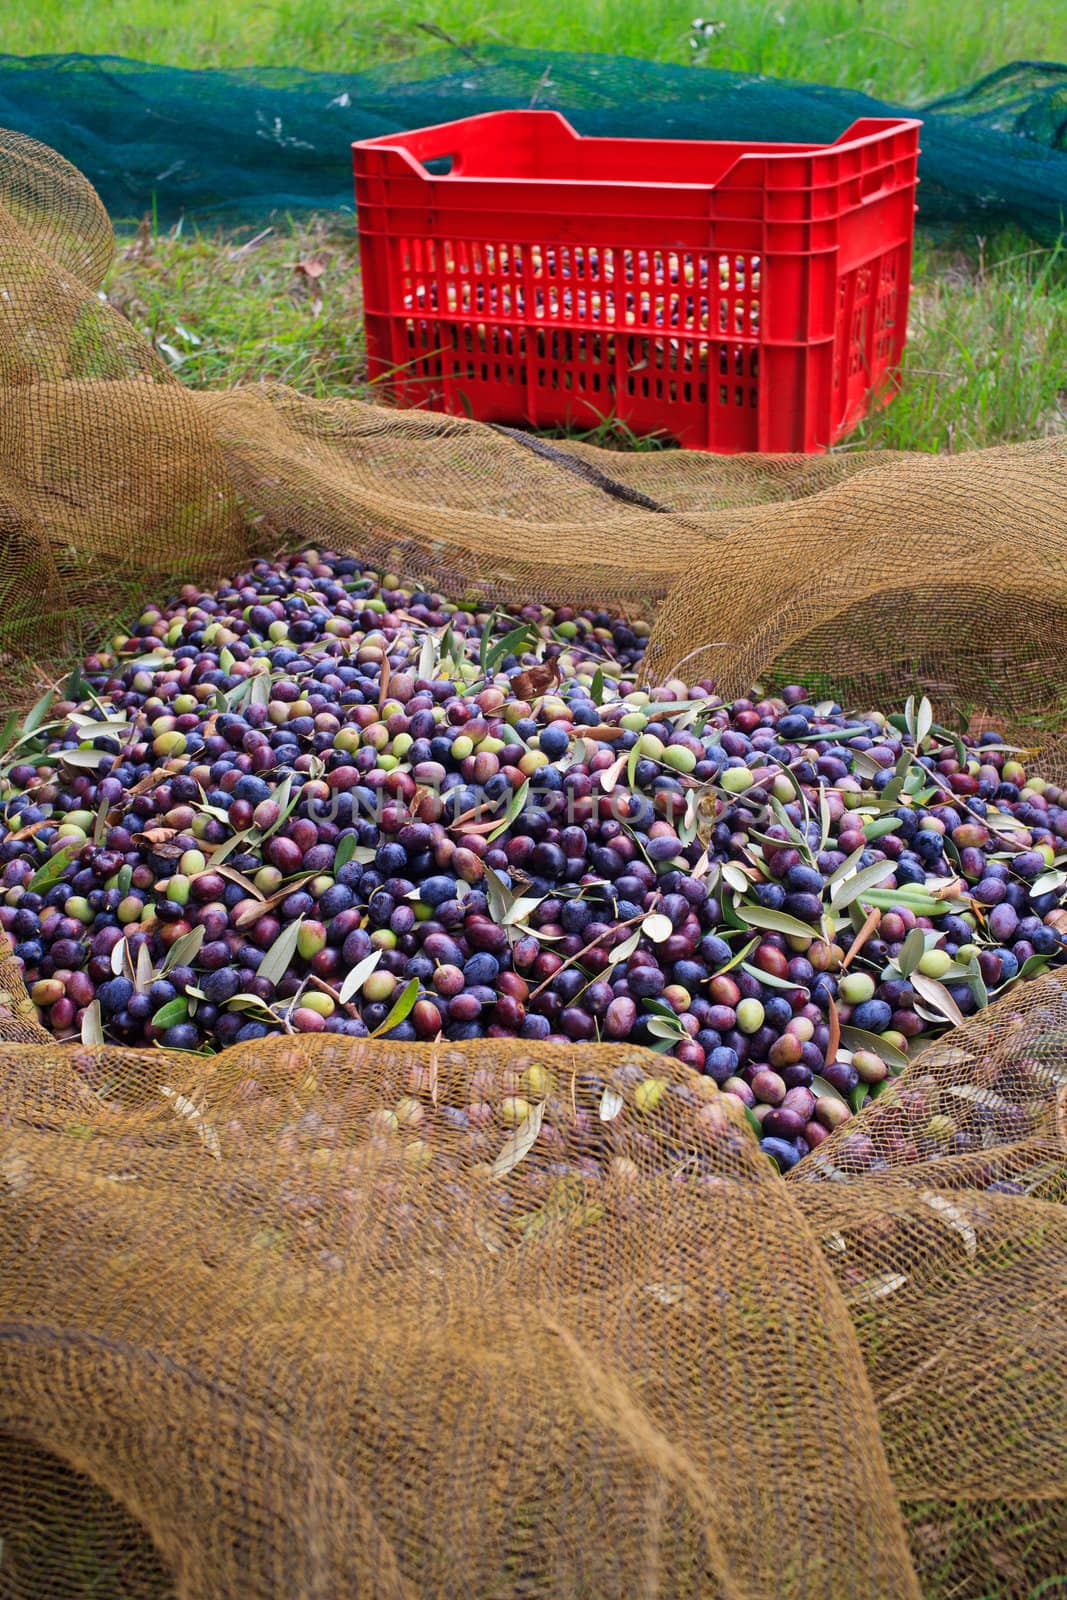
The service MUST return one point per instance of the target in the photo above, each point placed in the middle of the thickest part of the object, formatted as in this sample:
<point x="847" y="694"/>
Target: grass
<point x="904" y="49"/>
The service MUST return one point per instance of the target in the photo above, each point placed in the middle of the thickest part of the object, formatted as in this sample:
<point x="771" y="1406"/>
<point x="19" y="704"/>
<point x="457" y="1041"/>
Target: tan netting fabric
<point x="312" y="1318"/>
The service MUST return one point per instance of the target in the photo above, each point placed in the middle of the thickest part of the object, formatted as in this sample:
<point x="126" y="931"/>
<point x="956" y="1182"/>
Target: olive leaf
<point x="276" y="960"/>
<point x="891" y="793"/>
<point x="232" y="875"/>
<point x="825" y="1091"/>
<point x="400" y="1009"/>
<point x="833" y="1043"/>
<point x="194" y="1114"/>
<point x="345" y="851"/>
<point x="513" y="643"/>
<point x="52" y="870"/>
<point x="519" y="1143"/>
<point x="358" y="976"/>
<point x="631" y="765"/>
<point x="596" y="689"/>
<point x="184" y="950"/>
<point x="878" y="827"/>
<point x="657" y="927"/>
<point x="611" y="1103"/>
<point x="37" y="712"/>
<point x="843" y="871"/>
<point x="427" y="657"/>
<point x="83" y="759"/>
<point x="259" y="690"/>
<point x="735" y="877"/>
<point x="737" y="959"/>
<point x="498" y="895"/>
<point x="288" y="802"/>
<point x="155" y="660"/>
<point x="875" y="1288"/>
<point x="776" y="922"/>
<point x="936" y="995"/>
<point x="173" y="1011"/>
<point x="100" y="823"/>
<point x="796" y="837"/>
<point x="771" y="979"/>
<point x="864" y="766"/>
<point x="610" y="776"/>
<point x="924" y="720"/>
<point x="1033" y="965"/>
<point x="484" y="642"/>
<point x="825" y="820"/>
<point x="234" y="842"/>
<point x="976" y="983"/>
<point x="143" y="973"/>
<point x="689" y="826"/>
<point x="841" y="735"/>
<point x="910" y="896"/>
<point x="660" y="1028"/>
<point x="955" y="741"/>
<point x="861" y="1039"/>
<point x="850" y="889"/>
<point x="623" y="951"/>
<point x="92" y="1024"/>
<point x="911" y="952"/>
<point x="515" y="808"/>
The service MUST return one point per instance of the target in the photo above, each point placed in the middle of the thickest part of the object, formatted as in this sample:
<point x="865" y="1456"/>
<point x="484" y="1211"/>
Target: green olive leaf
<point x="345" y="852"/>
<point x="52" y="870"/>
<point x="37" y="712"/>
<point x="276" y="960"/>
<point x="515" y="808"/>
<point x="400" y="1010"/>
<point x="737" y="959"/>
<point x="850" y="889"/>
<point x="911" y="952"/>
<point x="771" y="979"/>
<point x="776" y="922"/>
<point x="860" y="1039"/>
<point x="183" y="951"/>
<point x="174" y="1011"/>
<point x="259" y="689"/>
<point x="878" y="827"/>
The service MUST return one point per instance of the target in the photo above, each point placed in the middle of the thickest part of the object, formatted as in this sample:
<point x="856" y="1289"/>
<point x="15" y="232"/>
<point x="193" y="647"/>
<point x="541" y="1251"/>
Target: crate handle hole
<point x="441" y="166"/>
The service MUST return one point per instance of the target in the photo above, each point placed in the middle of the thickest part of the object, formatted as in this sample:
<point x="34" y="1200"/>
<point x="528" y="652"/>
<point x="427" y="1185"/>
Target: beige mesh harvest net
<point x="263" y="1334"/>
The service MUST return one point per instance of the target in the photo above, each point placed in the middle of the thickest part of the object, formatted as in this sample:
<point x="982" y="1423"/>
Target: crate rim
<point x="877" y="128"/>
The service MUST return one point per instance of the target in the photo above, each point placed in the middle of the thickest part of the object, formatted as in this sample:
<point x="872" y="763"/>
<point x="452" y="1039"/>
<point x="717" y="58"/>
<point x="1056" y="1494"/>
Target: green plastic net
<point x="239" y="144"/>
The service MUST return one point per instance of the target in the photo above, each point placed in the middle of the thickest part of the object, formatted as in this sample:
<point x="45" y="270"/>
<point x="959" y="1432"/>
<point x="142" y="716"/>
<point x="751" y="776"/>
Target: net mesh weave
<point x="252" y="1343"/>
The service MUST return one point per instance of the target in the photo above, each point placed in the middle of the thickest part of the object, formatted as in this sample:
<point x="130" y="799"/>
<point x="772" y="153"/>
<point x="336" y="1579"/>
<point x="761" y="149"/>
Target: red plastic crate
<point x="736" y="297"/>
